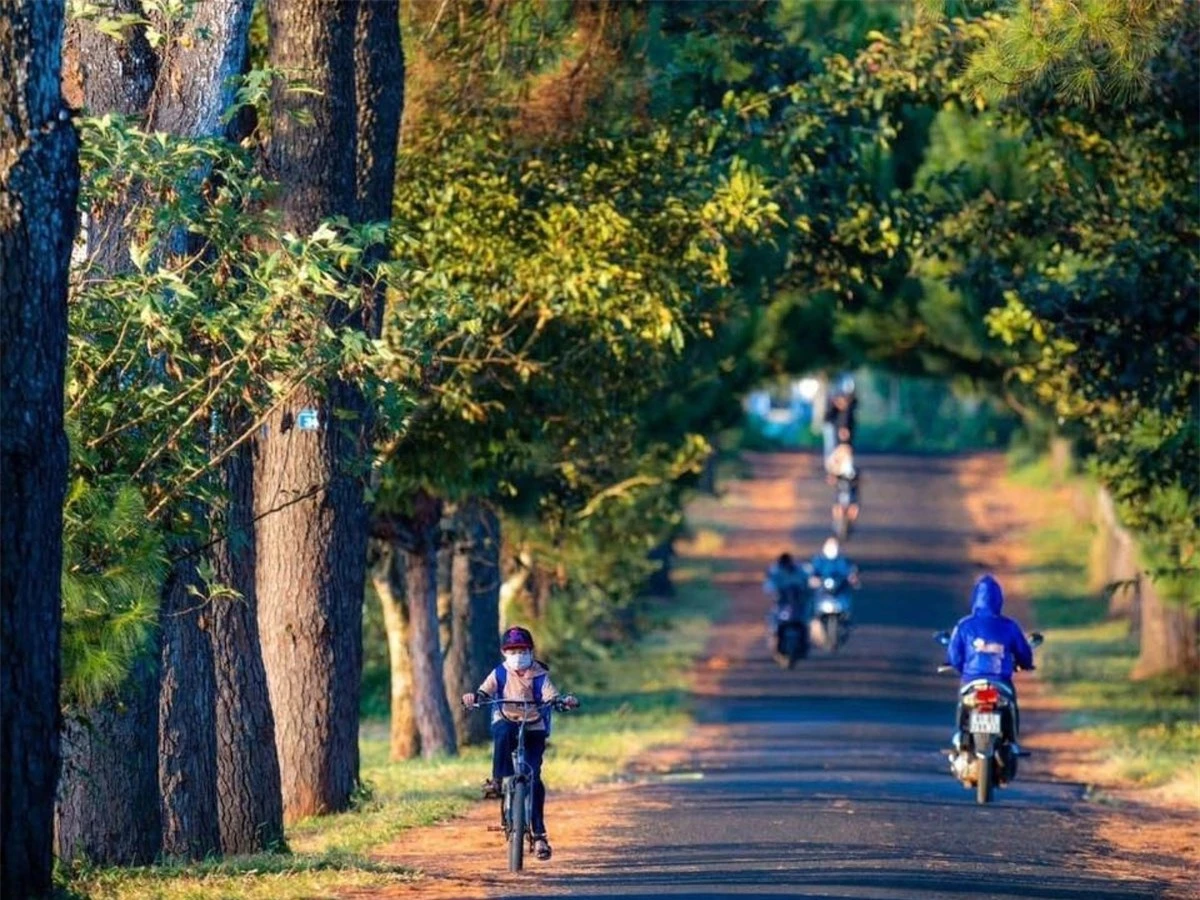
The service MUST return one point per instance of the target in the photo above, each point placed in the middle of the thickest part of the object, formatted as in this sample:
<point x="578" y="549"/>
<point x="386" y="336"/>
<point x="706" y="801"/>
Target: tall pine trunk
<point x="338" y="159"/>
<point x="1169" y="636"/>
<point x="108" y="809"/>
<point x="311" y="522"/>
<point x="418" y="535"/>
<point x="474" y="612"/>
<point x="249" y="801"/>
<point x="191" y="92"/>
<point x="387" y="576"/>
<point x="187" y="741"/>
<point x="40" y="173"/>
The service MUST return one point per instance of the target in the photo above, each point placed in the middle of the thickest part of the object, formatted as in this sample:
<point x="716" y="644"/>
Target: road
<point x="826" y="781"/>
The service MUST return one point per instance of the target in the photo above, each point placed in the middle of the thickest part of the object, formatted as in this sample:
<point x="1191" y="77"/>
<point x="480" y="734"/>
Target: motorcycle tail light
<point x="988" y="696"/>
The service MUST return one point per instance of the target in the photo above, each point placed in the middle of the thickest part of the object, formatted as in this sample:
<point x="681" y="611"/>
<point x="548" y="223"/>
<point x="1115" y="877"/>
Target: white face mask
<point x="516" y="660"/>
<point x="831" y="550"/>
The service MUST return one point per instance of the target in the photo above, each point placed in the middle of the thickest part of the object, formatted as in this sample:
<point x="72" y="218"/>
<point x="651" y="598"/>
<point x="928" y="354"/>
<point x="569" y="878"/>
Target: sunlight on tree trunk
<point x="387" y="577"/>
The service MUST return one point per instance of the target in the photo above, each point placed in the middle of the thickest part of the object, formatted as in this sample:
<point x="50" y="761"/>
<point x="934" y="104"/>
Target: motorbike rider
<point x="989" y="645"/>
<point x="839" y="414"/>
<point x="843" y="473"/>
<point x="785" y="582"/>
<point x="830" y="563"/>
<point x="520" y="677"/>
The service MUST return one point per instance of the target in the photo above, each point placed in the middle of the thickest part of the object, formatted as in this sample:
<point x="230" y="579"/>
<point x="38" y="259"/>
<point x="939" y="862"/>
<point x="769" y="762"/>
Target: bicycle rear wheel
<point x="516" y="826"/>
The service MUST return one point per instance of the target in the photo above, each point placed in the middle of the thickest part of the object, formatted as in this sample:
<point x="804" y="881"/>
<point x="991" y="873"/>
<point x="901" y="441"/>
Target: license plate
<point x="985" y="723"/>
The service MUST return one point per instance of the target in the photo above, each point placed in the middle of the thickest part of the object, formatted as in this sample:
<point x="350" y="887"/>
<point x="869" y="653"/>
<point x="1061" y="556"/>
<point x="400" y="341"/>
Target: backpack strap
<point x="538" y="683"/>
<point x="501" y="674"/>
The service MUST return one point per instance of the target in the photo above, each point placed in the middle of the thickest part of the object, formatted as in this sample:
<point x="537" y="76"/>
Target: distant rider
<point x="520" y="677"/>
<point x="839" y="414"/>
<point x="989" y="645"/>
<point x="830" y="563"/>
<point x="785" y="583"/>
<point x="842" y="472"/>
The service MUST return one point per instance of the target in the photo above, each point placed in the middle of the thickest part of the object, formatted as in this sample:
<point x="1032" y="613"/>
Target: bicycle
<point x="516" y="794"/>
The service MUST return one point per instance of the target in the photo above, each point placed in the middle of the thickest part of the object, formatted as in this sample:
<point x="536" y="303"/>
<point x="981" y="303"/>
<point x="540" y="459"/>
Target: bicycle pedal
<point x="495" y="828"/>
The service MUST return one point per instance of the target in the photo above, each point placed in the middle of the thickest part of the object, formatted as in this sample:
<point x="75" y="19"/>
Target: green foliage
<point x="113" y="566"/>
<point x="177" y="353"/>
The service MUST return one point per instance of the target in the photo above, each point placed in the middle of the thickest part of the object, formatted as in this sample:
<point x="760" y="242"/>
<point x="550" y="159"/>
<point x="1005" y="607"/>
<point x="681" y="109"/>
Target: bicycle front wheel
<point x="516" y="826"/>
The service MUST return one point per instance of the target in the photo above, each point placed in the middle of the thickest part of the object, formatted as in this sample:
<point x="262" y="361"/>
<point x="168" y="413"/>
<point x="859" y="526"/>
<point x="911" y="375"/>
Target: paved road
<point x="826" y="781"/>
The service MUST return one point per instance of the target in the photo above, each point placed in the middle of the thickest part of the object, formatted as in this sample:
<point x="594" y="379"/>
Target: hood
<point x="987" y="599"/>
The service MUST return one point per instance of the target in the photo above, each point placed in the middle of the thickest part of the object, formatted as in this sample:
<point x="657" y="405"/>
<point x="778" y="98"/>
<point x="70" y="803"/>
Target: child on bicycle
<point x="520" y="677"/>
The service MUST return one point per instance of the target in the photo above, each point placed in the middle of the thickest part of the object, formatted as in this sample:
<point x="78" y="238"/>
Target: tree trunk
<point x="387" y="576"/>
<point x="39" y="172"/>
<point x="1169" y="639"/>
<point x="1118" y="562"/>
<point x="249" y="802"/>
<point x="191" y="92"/>
<point x="187" y="742"/>
<point x="434" y="721"/>
<point x="474" y="612"/>
<point x="311" y="526"/>
<point x="108" y="809"/>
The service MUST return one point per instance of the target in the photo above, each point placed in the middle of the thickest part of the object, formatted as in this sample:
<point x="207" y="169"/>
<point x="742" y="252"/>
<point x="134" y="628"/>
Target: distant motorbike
<point x="983" y="756"/>
<point x="789" y="627"/>
<point x="831" y="609"/>
<point x="844" y="509"/>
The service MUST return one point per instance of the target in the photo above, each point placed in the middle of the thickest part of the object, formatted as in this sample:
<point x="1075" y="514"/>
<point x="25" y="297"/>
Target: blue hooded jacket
<point x="986" y="644"/>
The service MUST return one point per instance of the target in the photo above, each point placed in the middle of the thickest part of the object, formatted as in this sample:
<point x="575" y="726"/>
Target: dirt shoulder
<point x="1143" y="826"/>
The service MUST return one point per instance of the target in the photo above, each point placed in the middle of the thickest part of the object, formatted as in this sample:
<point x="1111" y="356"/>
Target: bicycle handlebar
<point x="558" y="703"/>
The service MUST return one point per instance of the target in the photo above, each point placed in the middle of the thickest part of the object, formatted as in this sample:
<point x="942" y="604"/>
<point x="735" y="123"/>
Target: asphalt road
<point x="827" y="781"/>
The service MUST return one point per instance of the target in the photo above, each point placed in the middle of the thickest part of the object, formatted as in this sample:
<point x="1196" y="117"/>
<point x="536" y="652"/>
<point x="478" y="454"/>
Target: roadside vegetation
<point x="1148" y="729"/>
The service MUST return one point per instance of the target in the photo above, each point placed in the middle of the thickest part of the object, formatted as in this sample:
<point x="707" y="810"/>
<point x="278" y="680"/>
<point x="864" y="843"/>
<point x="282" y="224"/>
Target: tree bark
<point x="311" y="527"/>
<point x="187" y="743"/>
<point x="418" y="535"/>
<point x="474" y="612"/>
<point x="387" y="576"/>
<point x="1169" y="638"/>
<point x="39" y="173"/>
<point x="249" y="800"/>
<point x="191" y="92"/>
<point x="108" y="807"/>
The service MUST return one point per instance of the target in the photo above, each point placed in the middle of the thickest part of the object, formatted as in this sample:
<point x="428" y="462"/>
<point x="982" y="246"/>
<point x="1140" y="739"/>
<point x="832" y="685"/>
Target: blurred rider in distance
<point x="520" y="677"/>
<point x="987" y="644"/>
<point x="785" y="581"/>
<point x="840" y="410"/>
<point x="830" y="563"/>
<point x="842" y="472"/>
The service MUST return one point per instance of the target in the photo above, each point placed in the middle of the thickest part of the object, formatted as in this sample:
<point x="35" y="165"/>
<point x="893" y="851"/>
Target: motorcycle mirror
<point x="943" y="638"/>
<point x="1036" y="639"/>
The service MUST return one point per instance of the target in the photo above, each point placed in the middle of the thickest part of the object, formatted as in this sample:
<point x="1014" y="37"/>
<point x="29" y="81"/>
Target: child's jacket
<point x="520" y="686"/>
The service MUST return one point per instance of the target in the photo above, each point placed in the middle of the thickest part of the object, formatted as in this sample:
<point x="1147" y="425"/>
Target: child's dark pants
<point x="504" y="742"/>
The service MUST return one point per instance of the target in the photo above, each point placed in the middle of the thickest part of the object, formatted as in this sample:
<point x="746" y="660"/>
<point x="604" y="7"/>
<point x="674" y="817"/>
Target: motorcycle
<point x="831" y="608"/>
<point x="983" y="755"/>
<point x="789" y="628"/>
<point x="844" y="501"/>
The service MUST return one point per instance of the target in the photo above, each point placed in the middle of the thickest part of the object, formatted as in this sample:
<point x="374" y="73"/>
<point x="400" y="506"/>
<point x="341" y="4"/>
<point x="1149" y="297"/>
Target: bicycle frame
<point x="522" y="774"/>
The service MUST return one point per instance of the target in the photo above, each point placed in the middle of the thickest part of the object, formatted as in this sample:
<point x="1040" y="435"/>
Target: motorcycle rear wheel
<point x="983" y="787"/>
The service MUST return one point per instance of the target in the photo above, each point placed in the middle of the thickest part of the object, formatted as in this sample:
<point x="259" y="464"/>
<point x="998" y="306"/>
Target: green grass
<point x="1150" y="728"/>
<point x="643" y="702"/>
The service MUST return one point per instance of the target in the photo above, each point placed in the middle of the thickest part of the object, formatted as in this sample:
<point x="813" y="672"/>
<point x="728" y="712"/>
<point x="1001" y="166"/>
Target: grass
<point x="1150" y="728"/>
<point x="644" y="702"/>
